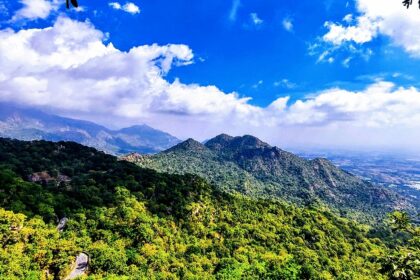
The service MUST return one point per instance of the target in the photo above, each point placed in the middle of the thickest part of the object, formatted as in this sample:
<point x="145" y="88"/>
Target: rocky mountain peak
<point x="226" y="143"/>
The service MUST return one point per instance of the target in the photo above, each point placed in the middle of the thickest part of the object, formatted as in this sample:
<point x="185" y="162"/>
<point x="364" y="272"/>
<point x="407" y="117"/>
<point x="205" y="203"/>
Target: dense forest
<point x="252" y="167"/>
<point x="136" y="223"/>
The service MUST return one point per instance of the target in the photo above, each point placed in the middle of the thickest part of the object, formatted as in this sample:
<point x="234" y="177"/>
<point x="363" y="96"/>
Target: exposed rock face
<point x="45" y="177"/>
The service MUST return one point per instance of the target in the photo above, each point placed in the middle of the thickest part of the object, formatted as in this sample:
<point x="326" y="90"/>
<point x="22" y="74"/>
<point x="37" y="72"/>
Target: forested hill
<point x="136" y="223"/>
<point x="248" y="165"/>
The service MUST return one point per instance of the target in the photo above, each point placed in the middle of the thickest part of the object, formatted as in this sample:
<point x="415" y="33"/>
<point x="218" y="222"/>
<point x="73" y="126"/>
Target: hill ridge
<point x="33" y="124"/>
<point x="248" y="165"/>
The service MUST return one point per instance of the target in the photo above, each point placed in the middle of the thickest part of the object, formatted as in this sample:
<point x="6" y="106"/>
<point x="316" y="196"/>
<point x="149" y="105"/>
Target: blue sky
<point x="236" y="54"/>
<point x="262" y="52"/>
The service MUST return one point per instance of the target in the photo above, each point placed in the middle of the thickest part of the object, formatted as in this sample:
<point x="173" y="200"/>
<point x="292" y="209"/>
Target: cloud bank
<point x="70" y="70"/>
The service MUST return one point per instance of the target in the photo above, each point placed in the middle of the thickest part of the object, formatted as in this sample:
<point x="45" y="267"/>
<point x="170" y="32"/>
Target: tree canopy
<point x="139" y="224"/>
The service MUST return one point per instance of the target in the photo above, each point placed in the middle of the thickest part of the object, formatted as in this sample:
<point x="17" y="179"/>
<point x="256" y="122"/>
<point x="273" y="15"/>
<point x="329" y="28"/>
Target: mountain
<point x="135" y="223"/>
<point x="30" y="124"/>
<point x="399" y="172"/>
<point x="250" y="166"/>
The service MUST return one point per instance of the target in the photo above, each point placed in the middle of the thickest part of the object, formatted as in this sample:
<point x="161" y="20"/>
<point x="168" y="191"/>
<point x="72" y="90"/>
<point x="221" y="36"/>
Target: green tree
<point x="404" y="261"/>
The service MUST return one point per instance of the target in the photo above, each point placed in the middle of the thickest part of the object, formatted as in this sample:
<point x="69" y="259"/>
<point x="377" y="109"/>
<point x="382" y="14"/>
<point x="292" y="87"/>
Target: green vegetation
<point x="249" y="166"/>
<point x="139" y="224"/>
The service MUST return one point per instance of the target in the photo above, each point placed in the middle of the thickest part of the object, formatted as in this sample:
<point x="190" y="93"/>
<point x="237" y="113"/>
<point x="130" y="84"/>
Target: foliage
<point x="139" y="224"/>
<point x="249" y="166"/>
<point x="404" y="261"/>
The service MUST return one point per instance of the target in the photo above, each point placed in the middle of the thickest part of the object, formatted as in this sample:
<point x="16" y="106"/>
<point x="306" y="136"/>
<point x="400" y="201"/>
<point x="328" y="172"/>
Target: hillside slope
<point x="138" y="224"/>
<point x="30" y="124"/>
<point x="250" y="166"/>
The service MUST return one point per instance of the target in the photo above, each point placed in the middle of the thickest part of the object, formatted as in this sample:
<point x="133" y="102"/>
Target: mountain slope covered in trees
<point x="139" y="224"/>
<point x="249" y="166"/>
<point x="31" y="124"/>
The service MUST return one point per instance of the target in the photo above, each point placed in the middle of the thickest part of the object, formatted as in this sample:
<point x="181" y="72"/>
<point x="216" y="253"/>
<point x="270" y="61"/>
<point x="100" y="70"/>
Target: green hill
<point x="249" y="166"/>
<point x="139" y="224"/>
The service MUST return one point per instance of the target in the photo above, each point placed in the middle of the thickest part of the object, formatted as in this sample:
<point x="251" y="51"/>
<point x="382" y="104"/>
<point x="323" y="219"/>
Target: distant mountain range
<point x="248" y="165"/>
<point x="30" y="124"/>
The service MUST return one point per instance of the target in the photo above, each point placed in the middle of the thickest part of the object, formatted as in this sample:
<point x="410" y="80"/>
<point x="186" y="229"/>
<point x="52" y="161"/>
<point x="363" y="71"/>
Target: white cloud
<point x="115" y="5"/>
<point x="236" y="4"/>
<point x="348" y="18"/>
<point x="258" y="84"/>
<point x="385" y="17"/>
<point x="287" y="24"/>
<point x="128" y="7"/>
<point x="380" y="105"/>
<point x="285" y="83"/>
<point x="345" y="52"/>
<point x="69" y="70"/>
<point x="346" y="62"/>
<point x="255" y="19"/>
<point x="35" y="9"/>
<point x="363" y="32"/>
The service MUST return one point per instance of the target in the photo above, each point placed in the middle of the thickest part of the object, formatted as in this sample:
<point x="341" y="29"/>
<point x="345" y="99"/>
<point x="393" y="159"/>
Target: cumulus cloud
<point x="35" y="9"/>
<point x="378" y="17"/>
<point x="69" y="70"/>
<point x="128" y="7"/>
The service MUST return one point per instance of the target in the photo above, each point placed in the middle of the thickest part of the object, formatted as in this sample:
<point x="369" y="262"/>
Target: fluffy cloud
<point x="35" y="9"/>
<point x="69" y="70"/>
<point x="380" y="105"/>
<point x="128" y="7"/>
<point x="386" y="17"/>
<point x="364" y="31"/>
